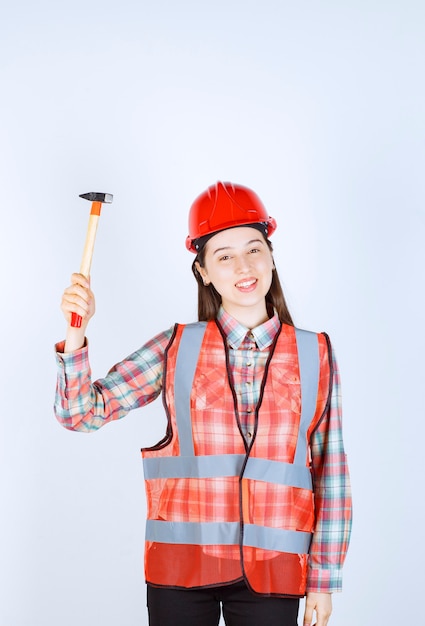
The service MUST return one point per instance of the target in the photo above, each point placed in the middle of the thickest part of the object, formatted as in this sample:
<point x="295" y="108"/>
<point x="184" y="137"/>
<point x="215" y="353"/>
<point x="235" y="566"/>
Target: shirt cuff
<point x="73" y="362"/>
<point x="324" y="580"/>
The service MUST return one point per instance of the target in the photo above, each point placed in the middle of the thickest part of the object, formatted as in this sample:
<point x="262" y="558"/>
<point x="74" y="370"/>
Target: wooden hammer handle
<point x="88" y="252"/>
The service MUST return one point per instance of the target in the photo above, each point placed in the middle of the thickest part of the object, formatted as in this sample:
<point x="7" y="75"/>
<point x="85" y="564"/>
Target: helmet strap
<point x="199" y="243"/>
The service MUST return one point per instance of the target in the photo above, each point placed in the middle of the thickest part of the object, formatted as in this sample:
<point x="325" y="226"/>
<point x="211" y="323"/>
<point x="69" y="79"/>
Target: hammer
<point x="97" y="199"/>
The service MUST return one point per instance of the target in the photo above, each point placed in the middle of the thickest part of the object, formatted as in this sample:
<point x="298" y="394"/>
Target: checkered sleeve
<point x="85" y="406"/>
<point x="332" y="495"/>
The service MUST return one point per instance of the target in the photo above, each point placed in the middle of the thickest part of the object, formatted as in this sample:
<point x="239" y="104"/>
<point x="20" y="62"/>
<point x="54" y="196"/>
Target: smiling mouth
<point x="244" y="284"/>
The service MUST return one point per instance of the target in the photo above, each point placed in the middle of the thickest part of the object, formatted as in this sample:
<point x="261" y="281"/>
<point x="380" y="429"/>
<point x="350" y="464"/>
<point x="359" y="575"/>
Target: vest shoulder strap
<point x="309" y="366"/>
<point x="187" y="359"/>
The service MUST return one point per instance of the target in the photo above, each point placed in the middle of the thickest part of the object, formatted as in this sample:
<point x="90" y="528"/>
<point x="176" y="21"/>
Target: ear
<point x="203" y="273"/>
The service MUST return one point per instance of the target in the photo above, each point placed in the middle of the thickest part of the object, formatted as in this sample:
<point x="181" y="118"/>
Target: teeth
<point x="247" y="283"/>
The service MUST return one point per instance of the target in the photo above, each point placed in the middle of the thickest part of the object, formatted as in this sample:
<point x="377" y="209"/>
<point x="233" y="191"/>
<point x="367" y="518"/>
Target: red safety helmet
<point x="225" y="205"/>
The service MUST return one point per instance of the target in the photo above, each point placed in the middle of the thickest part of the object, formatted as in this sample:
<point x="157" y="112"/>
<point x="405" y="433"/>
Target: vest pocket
<point x="279" y="506"/>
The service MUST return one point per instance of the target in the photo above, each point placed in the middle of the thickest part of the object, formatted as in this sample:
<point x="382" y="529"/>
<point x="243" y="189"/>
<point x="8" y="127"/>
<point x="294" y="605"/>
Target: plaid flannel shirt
<point x="85" y="406"/>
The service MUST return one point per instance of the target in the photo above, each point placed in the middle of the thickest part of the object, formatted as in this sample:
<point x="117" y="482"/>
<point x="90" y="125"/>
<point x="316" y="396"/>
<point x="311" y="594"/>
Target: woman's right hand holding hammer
<point x="77" y="298"/>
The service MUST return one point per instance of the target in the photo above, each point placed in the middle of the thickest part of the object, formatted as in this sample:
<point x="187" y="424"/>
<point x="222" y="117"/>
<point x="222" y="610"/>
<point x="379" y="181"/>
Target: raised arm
<point x="85" y="405"/>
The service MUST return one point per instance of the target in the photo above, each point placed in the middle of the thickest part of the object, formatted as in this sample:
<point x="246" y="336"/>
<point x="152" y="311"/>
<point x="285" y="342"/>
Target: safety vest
<point x="221" y="509"/>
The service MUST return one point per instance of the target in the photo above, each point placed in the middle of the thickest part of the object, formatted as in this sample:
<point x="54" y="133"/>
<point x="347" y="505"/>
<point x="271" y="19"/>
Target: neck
<point x="247" y="316"/>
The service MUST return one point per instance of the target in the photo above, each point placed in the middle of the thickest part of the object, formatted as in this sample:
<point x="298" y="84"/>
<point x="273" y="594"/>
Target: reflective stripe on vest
<point x="217" y="465"/>
<point x="228" y="533"/>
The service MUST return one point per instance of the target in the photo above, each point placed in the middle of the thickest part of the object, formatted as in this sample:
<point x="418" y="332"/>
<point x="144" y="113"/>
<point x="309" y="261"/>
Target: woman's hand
<point x="322" y="604"/>
<point x="77" y="298"/>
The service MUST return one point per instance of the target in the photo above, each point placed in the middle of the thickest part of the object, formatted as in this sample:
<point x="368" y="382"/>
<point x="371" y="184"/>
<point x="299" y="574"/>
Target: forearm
<point x="75" y="339"/>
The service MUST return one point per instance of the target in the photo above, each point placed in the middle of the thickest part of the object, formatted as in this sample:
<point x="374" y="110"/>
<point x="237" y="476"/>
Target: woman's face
<point x="239" y="263"/>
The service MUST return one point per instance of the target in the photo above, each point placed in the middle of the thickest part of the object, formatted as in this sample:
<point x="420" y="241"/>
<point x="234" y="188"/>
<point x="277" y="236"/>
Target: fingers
<point x="321" y="603"/>
<point x="308" y="614"/>
<point x="78" y="298"/>
<point x="80" y="279"/>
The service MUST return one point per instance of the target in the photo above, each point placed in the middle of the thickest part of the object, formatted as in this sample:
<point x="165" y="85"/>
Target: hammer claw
<point x="95" y="196"/>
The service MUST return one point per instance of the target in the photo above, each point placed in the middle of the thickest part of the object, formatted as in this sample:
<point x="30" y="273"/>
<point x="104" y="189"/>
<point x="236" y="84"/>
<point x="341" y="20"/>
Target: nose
<point x="242" y="264"/>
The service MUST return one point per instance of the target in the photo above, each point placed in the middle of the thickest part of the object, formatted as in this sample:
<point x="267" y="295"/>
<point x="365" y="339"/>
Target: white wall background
<point x="319" y="107"/>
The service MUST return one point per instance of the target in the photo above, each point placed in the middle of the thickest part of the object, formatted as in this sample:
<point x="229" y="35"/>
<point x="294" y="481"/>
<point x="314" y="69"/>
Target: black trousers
<point x="202" y="607"/>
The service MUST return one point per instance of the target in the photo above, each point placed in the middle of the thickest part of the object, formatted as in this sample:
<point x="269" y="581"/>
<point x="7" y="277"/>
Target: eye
<point x="225" y="257"/>
<point x="254" y="250"/>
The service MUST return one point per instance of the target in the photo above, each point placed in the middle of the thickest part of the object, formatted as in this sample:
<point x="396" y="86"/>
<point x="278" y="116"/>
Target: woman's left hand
<point x="322" y="604"/>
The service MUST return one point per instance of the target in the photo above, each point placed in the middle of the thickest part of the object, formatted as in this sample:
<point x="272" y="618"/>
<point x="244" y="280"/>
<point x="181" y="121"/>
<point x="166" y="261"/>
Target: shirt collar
<point x="236" y="332"/>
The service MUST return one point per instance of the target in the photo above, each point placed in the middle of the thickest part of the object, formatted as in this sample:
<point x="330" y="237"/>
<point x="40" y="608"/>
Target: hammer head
<point x="95" y="196"/>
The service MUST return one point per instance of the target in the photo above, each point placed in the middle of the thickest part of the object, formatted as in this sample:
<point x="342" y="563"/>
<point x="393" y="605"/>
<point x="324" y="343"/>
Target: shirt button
<point x="248" y="363"/>
<point x="249" y="435"/>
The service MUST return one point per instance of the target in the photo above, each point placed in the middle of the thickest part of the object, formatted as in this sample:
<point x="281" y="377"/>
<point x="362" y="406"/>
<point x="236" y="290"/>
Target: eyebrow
<point x="248" y="243"/>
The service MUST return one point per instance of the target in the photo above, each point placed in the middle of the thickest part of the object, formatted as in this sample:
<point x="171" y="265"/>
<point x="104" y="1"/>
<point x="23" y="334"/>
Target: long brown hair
<point x="209" y="300"/>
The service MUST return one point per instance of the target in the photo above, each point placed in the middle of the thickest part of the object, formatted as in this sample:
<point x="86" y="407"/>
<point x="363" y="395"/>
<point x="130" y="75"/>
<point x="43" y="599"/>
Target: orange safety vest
<point x="221" y="509"/>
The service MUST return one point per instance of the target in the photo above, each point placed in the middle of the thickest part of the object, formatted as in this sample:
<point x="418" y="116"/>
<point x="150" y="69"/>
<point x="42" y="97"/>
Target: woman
<point x="248" y="492"/>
